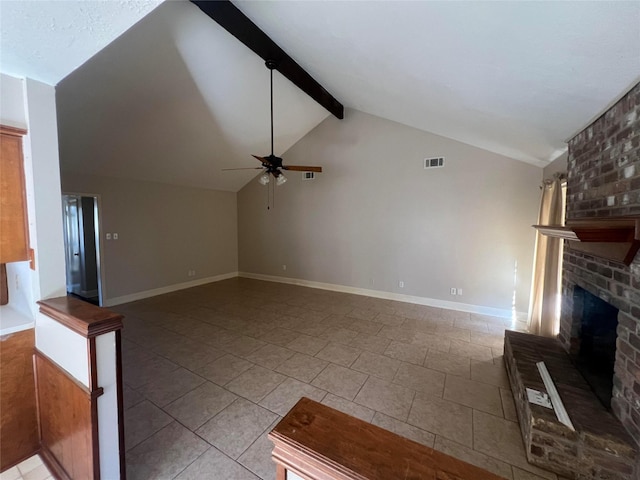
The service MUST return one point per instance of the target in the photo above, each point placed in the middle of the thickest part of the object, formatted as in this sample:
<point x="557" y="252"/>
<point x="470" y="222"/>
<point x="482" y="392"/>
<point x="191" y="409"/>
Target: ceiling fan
<point x="271" y="164"/>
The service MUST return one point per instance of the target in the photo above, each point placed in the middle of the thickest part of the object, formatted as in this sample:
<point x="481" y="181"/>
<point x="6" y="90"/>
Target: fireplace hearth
<point x="598" y="448"/>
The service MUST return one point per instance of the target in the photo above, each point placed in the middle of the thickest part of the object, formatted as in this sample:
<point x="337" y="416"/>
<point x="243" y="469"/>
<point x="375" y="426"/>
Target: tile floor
<point x="210" y="370"/>
<point x="30" y="469"/>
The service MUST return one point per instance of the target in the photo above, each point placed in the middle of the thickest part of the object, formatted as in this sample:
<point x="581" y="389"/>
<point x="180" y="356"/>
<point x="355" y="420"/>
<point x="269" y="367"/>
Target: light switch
<point x="115" y="236"/>
<point x="108" y="236"/>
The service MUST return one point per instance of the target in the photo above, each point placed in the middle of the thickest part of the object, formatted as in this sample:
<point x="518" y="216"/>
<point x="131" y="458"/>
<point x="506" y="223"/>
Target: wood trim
<point x="93" y="387"/>
<point x="53" y="465"/>
<point x="68" y="421"/>
<point x="84" y="318"/>
<point x="119" y="381"/>
<point x="4" y="285"/>
<point x="93" y="394"/>
<point x="307" y="442"/>
<point x="15" y="131"/>
<point x="229" y="17"/>
<point x="614" y="238"/>
<point x="93" y="363"/>
<point x="95" y="437"/>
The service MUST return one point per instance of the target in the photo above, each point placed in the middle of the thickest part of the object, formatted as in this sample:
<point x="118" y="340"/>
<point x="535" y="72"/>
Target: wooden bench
<point x="316" y="442"/>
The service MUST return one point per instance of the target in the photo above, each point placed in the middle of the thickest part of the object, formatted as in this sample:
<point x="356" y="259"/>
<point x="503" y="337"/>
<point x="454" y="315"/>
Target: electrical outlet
<point x="372" y="281"/>
<point x="459" y="291"/>
<point x="115" y="236"/>
<point x="108" y="236"/>
<point x="401" y="284"/>
<point x="17" y="282"/>
<point x="453" y="291"/>
<point x="284" y="267"/>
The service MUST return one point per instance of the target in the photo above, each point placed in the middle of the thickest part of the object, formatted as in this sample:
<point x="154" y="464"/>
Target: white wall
<point x="163" y="232"/>
<point x="376" y="217"/>
<point x="42" y="169"/>
<point x="12" y="102"/>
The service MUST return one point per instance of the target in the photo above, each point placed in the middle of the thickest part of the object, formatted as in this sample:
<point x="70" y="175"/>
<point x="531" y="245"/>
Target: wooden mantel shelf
<point x="613" y="238"/>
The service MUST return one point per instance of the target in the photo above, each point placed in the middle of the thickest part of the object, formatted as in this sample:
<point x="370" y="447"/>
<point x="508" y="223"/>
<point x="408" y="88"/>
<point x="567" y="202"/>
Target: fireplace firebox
<point x="594" y="352"/>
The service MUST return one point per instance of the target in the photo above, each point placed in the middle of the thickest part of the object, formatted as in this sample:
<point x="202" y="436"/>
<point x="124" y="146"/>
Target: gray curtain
<point x="547" y="267"/>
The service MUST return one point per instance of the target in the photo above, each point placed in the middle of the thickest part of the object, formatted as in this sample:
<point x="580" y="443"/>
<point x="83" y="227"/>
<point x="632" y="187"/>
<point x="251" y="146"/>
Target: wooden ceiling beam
<point x="240" y="26"/>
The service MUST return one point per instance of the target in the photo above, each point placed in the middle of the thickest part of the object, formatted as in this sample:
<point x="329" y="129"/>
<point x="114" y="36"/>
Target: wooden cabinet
<point x="14" y="230"/>
<point x="18" y="418"/>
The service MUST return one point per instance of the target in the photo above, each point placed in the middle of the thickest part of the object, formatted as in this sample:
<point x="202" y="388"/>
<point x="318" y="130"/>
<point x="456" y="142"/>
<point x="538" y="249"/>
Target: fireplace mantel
<point x="612" y="238"/>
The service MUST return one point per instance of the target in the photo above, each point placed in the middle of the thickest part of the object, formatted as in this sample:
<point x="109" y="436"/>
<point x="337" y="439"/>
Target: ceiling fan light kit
<point x="263" y="179"/>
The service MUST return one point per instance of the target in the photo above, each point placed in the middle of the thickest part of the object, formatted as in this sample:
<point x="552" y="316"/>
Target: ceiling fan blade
<point x="246" y="168"/>
<point x="302" y="168"/>
<point x="263" y="160"/>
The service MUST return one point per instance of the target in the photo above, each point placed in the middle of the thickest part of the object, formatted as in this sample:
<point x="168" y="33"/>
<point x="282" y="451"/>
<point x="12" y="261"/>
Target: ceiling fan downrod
<point x="271" y="65"/>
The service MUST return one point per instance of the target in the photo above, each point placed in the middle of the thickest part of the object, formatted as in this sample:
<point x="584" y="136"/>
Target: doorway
<point x="82" y="246"/>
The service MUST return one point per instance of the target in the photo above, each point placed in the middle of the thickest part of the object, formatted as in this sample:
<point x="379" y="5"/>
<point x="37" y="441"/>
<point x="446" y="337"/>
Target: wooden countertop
<point x="82" y="317"/>
<point x="318" y="442"/>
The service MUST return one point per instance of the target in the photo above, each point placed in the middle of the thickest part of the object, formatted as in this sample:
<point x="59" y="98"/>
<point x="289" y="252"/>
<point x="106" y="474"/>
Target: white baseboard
<point x="431" y="302"/>
<point x="110" y="302"/>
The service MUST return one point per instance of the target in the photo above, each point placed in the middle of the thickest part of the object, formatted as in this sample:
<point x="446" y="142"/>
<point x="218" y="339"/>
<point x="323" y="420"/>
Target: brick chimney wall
<point x="603" y="181"/>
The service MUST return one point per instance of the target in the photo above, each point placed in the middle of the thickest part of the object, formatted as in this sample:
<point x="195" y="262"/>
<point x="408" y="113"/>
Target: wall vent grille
<point x="308" y="175"/>
<point x="434" y="162"/>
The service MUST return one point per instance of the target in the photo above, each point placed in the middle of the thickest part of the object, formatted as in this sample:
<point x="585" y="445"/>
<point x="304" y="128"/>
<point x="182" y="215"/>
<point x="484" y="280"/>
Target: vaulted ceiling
<point x="175" y="98"/>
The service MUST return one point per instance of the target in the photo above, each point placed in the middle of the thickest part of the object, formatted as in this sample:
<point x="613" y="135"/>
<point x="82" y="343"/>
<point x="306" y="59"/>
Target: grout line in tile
<point x="195" y="460"/>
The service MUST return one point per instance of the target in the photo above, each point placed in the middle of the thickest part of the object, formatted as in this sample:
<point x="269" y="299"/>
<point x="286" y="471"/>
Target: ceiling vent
<point x="434" y="162"/>
<point x="308" y="175"/>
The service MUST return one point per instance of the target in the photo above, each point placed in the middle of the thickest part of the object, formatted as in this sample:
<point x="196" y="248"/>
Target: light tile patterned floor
<point x="210" y="370"/>
<point x="30" y="469"/>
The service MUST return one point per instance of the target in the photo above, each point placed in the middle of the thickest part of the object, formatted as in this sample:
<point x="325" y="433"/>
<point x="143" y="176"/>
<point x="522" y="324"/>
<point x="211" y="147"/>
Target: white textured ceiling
<point x="47" y="40"/>
<point x="176" y="98"/>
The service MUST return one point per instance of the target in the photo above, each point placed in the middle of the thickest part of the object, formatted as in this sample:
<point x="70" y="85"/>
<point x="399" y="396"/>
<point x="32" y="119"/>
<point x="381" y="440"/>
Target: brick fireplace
<point x="604" y="181"/>
<point x="595" y="362"/>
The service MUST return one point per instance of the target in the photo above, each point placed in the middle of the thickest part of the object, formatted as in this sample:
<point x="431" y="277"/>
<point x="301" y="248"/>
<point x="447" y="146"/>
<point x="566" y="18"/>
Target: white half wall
<point x="64" y="346"/>
<point x="376" y="217"/>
